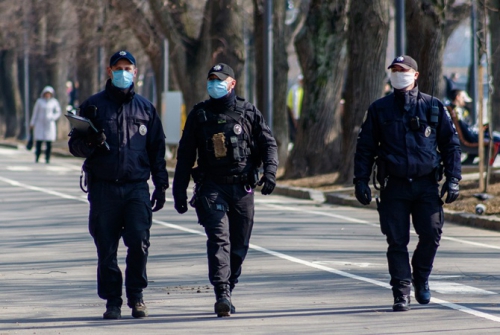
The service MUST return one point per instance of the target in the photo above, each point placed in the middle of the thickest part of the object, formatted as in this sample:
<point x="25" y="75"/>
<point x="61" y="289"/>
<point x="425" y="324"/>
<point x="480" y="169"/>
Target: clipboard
<point x="80" y="123"/>
<point x="83" y="125"/>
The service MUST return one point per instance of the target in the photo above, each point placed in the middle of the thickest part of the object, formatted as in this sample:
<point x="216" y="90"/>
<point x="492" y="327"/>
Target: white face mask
<point x="400" y="80"/>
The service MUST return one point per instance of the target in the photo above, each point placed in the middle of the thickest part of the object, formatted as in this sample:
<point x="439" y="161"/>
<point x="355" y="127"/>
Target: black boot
<point x="223" y="305"/>
<point x="401" y="303"/>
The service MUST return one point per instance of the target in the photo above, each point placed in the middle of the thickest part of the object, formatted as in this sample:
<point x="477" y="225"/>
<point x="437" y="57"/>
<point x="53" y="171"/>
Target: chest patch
<point x="143" y="130"/>
<point x="237" y="129"/>
<point x="428" y="131"/>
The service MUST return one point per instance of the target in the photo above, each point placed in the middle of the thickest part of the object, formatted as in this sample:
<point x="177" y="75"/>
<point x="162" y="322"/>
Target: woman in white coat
<point x="45" y="114"/>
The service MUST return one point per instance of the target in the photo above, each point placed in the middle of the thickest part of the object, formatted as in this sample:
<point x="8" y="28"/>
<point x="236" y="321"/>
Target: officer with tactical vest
<point x="412" y="139"/>
<point x="231" y="140"/>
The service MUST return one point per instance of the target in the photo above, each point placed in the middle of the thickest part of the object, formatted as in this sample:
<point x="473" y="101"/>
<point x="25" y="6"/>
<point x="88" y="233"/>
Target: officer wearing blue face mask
<point x="412" y="140"/>
<point x="117" y="175"/>
<point x="231" y="140"/>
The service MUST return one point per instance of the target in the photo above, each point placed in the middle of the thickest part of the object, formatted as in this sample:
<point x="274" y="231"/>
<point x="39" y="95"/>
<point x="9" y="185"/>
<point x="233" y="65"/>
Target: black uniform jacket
<point x="134" y="133"/>
<point x="410" y="149"/>
<point x="193" y="142"/>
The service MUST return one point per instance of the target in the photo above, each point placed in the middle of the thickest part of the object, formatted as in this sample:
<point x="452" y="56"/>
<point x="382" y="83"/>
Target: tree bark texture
<point x="281" y="36"/>
<point x="193" y="56"/>
<point x="494" y="26"/>
<point x="87" y="49"/>
<point x="150" y="39"/>
<point x="13" y="106"/>
<point x="320" y="45"/>
<point x="367" y="45"/>
<point x="429" y="24"/>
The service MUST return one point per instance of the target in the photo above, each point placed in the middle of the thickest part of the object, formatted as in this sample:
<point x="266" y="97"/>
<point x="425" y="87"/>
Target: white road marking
<point x="19" y="168"/>
<point x="346" y="218"/>
<point x="279" y="254"/>
<point x="445" y="287"/>
<point x="9" y="152"/>
<point x="347" y="263"/>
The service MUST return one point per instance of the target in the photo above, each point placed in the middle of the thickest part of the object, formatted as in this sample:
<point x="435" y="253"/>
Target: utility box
<point x="171" y="116"/>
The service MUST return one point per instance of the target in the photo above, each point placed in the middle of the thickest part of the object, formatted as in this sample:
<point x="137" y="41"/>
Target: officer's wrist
<point x="162" y="188"/>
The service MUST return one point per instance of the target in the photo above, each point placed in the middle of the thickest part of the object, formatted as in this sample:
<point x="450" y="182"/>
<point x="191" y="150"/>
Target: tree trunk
<point x="320" y="45"/>
<point x="87" y="49"/>
<point x="280" y="80"/>
<point x="368" y="30"/>
<point x="149" y="38"/>
<point x="258" y="28"/>
<point x="13" y="106"/>
<point x="193" y="57"/>
<point x="494" y="25"/>
<point x="429" y="24"/>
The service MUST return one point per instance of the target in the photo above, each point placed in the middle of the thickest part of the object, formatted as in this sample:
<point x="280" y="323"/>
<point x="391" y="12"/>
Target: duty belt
<point x="234" y="179"/>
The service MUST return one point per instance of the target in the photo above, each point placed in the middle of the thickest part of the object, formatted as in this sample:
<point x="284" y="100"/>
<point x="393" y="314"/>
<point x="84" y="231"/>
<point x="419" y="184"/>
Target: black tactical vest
<point x="224" y="138"/>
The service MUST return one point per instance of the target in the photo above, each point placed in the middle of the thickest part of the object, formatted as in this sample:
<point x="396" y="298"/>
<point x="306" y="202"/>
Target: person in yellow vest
<point x="294" y="106"/>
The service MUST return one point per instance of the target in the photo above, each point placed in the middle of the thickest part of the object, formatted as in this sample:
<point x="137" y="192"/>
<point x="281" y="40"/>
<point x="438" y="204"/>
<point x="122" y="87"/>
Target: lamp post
<point x="400" y="26"/>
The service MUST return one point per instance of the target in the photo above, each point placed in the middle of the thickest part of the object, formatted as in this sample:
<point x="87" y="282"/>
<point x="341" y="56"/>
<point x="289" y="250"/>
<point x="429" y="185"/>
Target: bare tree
<point x="219" y="39"/>
<point x="320" y="45"/>
<point x="11" y="108"/>
<point x="368" y="30"/>
<point x="281" y="35"/>
<point x="429" y="24"/>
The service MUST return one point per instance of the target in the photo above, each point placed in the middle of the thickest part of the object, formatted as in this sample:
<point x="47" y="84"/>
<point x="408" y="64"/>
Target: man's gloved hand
<point x="95" y="139"/>
<point x="363" y="192"/>
<point x="180" y="203"/>
<point x="269" y="182"/>
<point x="158" y="198"/>
<point x="451" y="187"/>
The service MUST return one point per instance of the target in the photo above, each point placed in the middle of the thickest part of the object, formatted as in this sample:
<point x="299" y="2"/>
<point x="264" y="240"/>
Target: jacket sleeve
<point x="57" y="111"/>
<point x="266" y="143"/>
<point x="35" y="113"/>
<point x="366" y="146"/>
<point x="449" y="144"/>
<point x="186" y="156"/>
<point x="76" y="143"/>
<point x="156" y="151"/>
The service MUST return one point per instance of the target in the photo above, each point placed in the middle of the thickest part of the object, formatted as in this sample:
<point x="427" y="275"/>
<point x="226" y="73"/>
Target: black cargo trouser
<point x="228" y="228"/>
<point x="418" y="198"/>
<point x="116" y="211"/>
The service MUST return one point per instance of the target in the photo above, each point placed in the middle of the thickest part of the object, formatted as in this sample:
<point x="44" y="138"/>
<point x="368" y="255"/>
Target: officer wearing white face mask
<point x="412" y="140"/>
<point x="231" y="140"/>
<point x="118" y="191"/>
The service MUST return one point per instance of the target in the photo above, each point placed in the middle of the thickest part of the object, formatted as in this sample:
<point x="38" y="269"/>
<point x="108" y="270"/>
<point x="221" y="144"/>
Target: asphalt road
<point x="312" y="268"/>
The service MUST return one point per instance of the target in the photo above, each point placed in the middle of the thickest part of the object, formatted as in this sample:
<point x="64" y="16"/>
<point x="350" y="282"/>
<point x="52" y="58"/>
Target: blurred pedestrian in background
<point x="43" y="121"/>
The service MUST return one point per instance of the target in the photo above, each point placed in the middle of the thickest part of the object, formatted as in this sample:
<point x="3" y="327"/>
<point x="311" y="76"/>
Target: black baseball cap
<point x="222" y="71"/>
<point x="121" y="55"/>
<point x="404" y="61"/>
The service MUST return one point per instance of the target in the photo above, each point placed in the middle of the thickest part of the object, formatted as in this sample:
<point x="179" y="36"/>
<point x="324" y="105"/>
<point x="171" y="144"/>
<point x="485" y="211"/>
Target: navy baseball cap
<point x="404" y="61"/>
<point x="121" y="55"/>
<point x="222" y="71"/>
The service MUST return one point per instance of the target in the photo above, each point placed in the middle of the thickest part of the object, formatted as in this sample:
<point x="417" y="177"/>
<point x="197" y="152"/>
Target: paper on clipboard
<point x="80" y="123"/>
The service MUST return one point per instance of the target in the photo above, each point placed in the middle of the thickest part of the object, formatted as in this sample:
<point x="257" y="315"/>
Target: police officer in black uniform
<point x="412" y="139"/>
<point x="120" y="158"/>
<point x="231" y="140"/>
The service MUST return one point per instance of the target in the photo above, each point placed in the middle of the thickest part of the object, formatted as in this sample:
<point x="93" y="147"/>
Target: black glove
<point x="95" y="139"/>
<point x="158" y="198"/>
<point x="180" y="204"/>
<point x="269" y="182"/>
<point x="451" y="187"/>
<point x="363" y="192"/>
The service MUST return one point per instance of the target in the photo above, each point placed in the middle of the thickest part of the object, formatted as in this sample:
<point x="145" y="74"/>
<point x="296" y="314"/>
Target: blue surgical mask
<point x="217" y="88"/>
<point x="122" y="79"/>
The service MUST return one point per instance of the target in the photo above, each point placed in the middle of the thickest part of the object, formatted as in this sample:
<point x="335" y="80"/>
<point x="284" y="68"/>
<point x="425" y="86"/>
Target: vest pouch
<point x="219" y="141"/>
